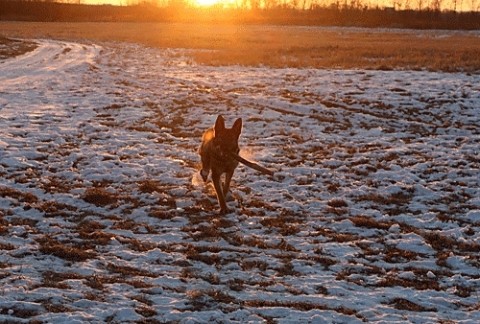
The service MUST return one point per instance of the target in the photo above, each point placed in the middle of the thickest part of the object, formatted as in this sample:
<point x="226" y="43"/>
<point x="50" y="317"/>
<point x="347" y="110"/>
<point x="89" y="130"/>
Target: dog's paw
<point x="224" y="212"/>
<point x="229" y="197"/>
<point x="204" y="174"/>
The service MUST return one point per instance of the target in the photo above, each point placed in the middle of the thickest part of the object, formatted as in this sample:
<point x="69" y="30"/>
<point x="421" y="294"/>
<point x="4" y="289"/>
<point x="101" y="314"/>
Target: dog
<point x="215" y="151"/>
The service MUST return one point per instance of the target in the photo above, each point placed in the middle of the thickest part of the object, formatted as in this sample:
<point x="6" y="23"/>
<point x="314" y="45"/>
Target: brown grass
<point x="404" y="304"/>
<point x="205" y="299"/>
<point x="128" y="271"/>
<point x="19" y="311"/>
<point x="442" y="242"/>
<point x="23" y="197"/>
<point x="146" y="311"/>
<point x="99" y="197"/>
<point x="285" y="225"/>
<point x="417" y="284"/>
<point x="400" y="198"/>
<point x="337" y="203"/>
<point x="149" y="186"/>
<point x="56" y="209"/>
<point x="49" y="245"/>
<point x="369" y="222"/>
<point x="55" y="279"/>
<point x="6" y="246"/>
<point x="53" y="307"/>
<point x="299" y="305"/>
<point x="276" y="46"/>
<point x="92" y="231"/>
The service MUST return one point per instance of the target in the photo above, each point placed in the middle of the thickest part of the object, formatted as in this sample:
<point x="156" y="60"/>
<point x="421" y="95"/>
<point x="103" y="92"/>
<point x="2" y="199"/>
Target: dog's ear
<point x="237" y="127"/>
<point x="219" y="125"/>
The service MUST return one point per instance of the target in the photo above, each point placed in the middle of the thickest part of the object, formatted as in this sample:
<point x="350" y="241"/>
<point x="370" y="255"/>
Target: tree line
<point x="415" y="5"/>
<point x="352" y="13"/>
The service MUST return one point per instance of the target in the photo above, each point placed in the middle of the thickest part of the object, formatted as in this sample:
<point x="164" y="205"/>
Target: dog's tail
<point x="252" y="165"/>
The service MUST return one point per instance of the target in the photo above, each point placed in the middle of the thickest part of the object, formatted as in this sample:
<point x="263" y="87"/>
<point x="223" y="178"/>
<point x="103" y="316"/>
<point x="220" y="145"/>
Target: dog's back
<point x="215" y="151"/>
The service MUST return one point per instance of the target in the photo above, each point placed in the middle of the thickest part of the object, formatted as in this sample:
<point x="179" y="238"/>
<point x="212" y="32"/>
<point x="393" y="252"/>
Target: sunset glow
<point x="207" y="3"/>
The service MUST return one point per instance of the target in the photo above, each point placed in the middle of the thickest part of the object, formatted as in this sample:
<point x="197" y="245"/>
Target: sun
<point x="207" y="3"/>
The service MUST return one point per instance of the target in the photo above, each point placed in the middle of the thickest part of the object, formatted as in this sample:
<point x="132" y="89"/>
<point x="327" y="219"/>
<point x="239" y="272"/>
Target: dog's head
<point x="227" y="138"/>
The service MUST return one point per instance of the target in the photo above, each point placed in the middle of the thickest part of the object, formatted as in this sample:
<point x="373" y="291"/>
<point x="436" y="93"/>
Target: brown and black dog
<point x="218" y="144"/>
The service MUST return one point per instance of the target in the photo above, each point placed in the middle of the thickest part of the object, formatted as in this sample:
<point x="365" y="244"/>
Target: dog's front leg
<point x="219" y="191"/>
<point x="226" y="185"/>
<point x="205" y="165"/>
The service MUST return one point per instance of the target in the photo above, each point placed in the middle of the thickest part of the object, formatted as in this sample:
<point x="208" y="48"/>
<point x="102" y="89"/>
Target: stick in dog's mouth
<point x="252" y="165"/>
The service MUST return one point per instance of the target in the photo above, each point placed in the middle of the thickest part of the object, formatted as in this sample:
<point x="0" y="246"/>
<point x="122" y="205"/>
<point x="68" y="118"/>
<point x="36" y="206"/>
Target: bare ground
<point x="11" y="47"/>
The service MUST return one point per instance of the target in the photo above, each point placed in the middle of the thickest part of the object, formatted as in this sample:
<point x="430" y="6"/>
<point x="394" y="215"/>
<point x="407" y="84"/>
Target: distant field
<point x="280" y="46"/>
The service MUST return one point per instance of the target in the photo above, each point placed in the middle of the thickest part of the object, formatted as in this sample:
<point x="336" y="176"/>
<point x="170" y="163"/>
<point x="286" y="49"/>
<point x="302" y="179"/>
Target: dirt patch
<point x="11" y="47"/>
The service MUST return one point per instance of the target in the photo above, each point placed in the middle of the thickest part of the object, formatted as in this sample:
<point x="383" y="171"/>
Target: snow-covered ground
<point x="373" y="215"/>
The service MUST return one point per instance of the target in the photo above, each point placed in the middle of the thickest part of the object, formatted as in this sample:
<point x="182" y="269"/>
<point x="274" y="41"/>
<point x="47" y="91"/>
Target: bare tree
<point x="436" y="5"/>
<point x="304" y="4"/>
<point x="473" y="5"/>
<point x="420" y="5"/>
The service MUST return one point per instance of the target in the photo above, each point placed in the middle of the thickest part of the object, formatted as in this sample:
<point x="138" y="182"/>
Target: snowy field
<point x="373" y="215"/>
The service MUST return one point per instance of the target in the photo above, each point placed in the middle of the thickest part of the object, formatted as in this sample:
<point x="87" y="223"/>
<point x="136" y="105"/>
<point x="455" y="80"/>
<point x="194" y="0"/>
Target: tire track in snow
<point x="40" y="98"/>
<point x="50" y="67"/>
<point x="49" y="57"/>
